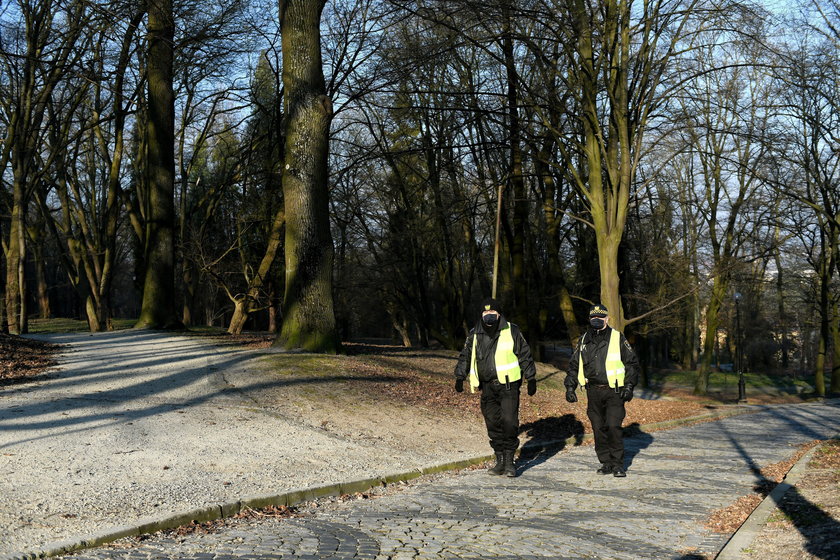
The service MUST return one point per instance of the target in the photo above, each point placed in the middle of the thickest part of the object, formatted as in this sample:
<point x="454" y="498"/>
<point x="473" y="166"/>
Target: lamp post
<point x="742" y="396"/>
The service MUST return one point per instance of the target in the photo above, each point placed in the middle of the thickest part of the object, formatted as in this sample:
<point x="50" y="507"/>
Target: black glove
<point x="532" y="387"/>
<point x="626" y="393"/>
<point x="571" y="396"/>
<point x="459" y="385"/>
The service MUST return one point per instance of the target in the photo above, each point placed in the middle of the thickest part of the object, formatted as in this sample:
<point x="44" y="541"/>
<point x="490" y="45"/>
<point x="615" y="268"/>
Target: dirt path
<point x="138" y="424"/>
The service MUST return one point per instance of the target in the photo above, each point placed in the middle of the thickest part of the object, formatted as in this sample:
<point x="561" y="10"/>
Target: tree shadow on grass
<point x="547" y="437"/>
<point x="819" y="529"/>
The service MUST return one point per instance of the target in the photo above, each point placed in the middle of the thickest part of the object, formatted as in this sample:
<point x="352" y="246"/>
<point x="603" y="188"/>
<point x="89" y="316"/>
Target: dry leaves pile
<point x="21" y="358"/>
<point x="728" y="519"/>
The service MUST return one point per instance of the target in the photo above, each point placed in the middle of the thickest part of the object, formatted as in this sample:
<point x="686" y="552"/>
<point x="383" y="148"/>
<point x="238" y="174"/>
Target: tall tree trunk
<point x="835" y="347"/>
<point x="158" y="310"/>
<point x="826" y="308"/>
<point x="309" y="318"/>
<point x="780" y="294"/>
<point x="719" y="288"/>
<point x="607" y="196"/>
<point x="15" y="255"/>
<point x="36" y="234"/>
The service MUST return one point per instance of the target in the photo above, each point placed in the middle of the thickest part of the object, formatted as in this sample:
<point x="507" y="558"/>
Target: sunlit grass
<point x="64" y="325"/>
<point x="722" y="379"/>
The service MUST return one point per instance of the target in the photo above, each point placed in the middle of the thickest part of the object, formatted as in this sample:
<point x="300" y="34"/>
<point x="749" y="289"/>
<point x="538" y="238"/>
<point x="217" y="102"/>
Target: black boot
<point x="499" y="467"/>
<point x="509" y="468"/>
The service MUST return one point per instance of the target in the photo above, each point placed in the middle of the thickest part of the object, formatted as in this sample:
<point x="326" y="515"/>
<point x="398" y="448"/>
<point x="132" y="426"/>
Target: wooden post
<point x="498" y="239"/>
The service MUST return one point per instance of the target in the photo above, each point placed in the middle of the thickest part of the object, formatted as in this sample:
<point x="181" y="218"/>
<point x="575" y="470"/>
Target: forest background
<point x="364" y="169"/>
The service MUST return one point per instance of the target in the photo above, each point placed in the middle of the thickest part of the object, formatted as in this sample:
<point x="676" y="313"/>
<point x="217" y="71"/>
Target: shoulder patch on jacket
<point x="469" y="336"/>
<point x="627" y="344"/>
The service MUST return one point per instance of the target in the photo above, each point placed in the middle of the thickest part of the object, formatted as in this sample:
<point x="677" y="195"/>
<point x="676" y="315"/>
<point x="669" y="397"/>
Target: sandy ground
<point x="138" y="424"/>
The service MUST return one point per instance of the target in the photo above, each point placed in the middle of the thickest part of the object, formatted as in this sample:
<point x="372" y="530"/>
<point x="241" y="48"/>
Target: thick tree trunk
<point x="158" y="310"/>
<point x="15" y="251"/>
<point x="309" y="318"/>
<point x="826" y="308"/>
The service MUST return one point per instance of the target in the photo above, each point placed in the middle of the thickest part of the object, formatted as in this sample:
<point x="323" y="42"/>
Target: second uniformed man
<point x="606" y="365"/>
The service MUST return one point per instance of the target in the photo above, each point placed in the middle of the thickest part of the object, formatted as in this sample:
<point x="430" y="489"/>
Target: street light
<point x="742" y="393"/>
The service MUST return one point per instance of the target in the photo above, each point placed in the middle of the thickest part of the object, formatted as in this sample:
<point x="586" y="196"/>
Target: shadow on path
<point x="636" y="440"/>
<point x="547" y="437"/>
<point x="94" y="397"/>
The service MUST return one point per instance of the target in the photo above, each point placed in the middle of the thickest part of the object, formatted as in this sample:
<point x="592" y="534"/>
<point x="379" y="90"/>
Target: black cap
<point x="598" y="311"/>
<point x="490" y="304"/>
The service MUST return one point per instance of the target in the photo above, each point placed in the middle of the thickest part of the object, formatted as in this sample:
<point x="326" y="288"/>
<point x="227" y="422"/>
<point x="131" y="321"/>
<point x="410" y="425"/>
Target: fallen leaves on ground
<point x="22" y="358"/>
<point x="728" y="519"/>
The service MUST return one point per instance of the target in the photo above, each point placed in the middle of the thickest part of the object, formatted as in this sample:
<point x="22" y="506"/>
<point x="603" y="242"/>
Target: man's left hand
<point x="626" y="393"/>
<point x="532" y="387"/>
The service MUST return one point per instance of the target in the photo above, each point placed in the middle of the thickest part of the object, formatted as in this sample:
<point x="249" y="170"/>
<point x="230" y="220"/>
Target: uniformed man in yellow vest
<point x="496" y="358"/>
<point x="606" y="365"/>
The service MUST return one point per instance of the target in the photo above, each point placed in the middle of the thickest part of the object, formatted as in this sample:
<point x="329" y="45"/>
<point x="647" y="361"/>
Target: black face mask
<point x="490" y="321"/>
<point x="597" y="323"/>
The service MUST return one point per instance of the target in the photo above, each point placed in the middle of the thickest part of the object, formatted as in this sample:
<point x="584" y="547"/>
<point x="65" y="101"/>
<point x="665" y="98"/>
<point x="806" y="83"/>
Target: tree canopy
<point x="373" y="168"/>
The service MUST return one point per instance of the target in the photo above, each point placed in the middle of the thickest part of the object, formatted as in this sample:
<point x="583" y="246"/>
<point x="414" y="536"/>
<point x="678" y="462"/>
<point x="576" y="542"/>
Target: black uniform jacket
<point x="485" y="355"/>
<point x="595" y="345"/>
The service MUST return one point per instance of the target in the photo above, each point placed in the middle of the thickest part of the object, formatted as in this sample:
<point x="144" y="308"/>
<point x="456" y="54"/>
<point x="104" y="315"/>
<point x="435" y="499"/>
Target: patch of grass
<point x="205" y="329"/>
<point x="64" y="325"/>
<point x="720" y="379"/>
<point x="778" y="516"/>
<point x="315" y="365"/>
<point x="802" y="514"/>
<point x="827" y="456"/>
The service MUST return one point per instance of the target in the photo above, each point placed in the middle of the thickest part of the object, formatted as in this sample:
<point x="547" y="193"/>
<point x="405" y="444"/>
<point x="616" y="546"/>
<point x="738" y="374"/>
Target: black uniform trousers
<point x="500" y="408"/>
<point x="605" y="409"/>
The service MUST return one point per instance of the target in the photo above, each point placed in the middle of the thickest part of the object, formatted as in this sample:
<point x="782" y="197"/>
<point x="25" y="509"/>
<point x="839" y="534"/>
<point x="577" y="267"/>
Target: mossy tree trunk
<point x="308" y="315"/>
<point x="15" y="251"/>
<point x="158" y="309"/>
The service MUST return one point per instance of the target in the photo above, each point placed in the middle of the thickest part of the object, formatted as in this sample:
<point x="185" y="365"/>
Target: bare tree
<point x="40" y="49"/>
<point x="812" y="105"/>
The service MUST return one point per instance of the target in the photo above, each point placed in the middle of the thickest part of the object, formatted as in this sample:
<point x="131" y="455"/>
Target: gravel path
<point x="135" y="424"/>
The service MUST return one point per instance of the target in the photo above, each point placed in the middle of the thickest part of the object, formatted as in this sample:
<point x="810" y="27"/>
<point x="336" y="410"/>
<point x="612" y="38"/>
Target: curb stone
<point x="744" y="535"/>
<point x="295" y="497"/>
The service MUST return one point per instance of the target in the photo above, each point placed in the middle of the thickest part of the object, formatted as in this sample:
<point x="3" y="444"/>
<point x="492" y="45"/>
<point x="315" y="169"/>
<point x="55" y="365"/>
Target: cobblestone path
<point x="557" y="508"/>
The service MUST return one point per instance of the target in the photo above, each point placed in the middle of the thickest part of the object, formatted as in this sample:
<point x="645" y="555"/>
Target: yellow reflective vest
<point x="614" y="365"/>
<point x="507" y="364"/>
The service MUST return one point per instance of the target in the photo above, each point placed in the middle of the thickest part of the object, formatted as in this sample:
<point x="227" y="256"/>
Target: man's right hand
<point x="571" y="396"/>
<point x="459" y="385"/>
